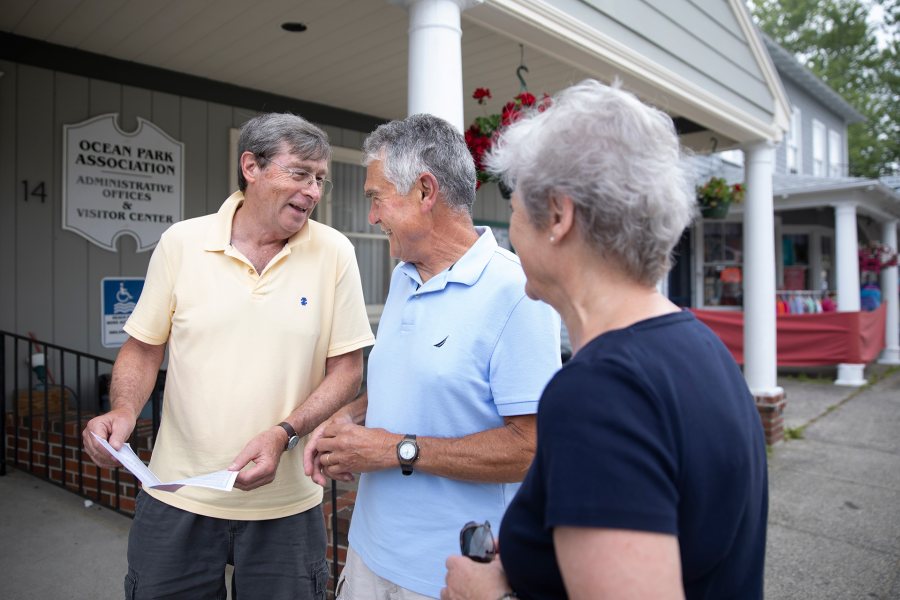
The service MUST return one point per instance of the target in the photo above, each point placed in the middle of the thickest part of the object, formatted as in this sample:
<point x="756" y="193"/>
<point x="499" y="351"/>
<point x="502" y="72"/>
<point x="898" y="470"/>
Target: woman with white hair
<point x="649" y="479"/>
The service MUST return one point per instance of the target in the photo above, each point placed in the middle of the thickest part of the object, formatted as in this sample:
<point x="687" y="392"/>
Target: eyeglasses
<point x="477" y="542"/>
<point x="304" y="178"/>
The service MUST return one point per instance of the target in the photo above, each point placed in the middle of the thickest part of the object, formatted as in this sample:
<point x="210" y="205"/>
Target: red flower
<point x="482" y="95"/>
<point x="510" y="113"/>
<point x="478" y="145"/>
<point x="875" y="256"/>
<point x="526" y="99"/>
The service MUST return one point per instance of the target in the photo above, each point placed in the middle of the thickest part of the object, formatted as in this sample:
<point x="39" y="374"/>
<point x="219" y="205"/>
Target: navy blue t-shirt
<point x="648" y="428"/>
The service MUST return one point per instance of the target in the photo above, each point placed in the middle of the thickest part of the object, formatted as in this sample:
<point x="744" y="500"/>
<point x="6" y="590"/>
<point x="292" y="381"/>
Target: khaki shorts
<point x="358" y="582"/>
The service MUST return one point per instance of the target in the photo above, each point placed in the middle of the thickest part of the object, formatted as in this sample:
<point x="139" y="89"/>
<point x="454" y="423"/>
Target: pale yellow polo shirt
<point x="244" y="351"/>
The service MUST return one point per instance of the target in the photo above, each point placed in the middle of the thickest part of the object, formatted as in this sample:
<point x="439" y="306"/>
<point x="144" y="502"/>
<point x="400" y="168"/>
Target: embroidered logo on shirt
<point x="304" y="301"/>
<point x="441" y="343"/>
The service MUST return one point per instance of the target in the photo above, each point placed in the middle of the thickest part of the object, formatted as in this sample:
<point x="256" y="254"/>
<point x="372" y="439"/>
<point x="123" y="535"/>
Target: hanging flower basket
<point x="484" y="130"/>
<point x="719" y="211"/>
<point x="715" y="197"/>
<point x="875" y="256"/>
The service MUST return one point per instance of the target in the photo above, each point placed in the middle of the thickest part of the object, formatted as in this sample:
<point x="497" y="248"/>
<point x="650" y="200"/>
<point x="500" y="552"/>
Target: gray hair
<point x="425" y="143"/>
<point x="265" y="135"/>
<point x="619" y="161"/>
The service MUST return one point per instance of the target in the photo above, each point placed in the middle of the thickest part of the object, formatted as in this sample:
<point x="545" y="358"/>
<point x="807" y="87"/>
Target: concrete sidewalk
<point x="834" y="524"/>
<point x="54" y="547"/>
<point x="834" y="512"/>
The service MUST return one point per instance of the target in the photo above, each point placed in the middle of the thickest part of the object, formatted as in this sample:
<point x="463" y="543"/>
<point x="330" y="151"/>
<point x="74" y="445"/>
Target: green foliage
<point x="821" y="377"/>
<point x="794" y="433"/>
<point x="716" y="191"/>
<point x="834" y="40"/>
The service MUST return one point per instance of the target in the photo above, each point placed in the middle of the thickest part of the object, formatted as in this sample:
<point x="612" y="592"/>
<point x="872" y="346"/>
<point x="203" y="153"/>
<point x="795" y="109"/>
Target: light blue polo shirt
<point x="452" y="357"/>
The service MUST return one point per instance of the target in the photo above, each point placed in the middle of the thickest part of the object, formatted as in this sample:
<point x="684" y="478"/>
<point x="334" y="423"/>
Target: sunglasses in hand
<point x="477" y="542"/>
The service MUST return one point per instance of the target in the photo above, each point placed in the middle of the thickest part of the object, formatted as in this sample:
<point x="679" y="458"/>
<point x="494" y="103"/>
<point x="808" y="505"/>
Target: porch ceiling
<point x="353" y="55"/>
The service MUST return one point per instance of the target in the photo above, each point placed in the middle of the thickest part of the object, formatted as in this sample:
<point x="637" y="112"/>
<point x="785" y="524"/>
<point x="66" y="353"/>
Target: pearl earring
<point x="552" y="239"/>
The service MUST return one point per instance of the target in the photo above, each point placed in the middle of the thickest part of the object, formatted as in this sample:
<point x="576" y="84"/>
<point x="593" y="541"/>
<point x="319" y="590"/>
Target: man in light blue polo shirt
<point x="446" y="429"/>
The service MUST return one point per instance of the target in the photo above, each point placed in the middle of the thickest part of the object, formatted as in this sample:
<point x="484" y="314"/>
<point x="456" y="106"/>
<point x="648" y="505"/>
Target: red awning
<point x="808" y="340"/>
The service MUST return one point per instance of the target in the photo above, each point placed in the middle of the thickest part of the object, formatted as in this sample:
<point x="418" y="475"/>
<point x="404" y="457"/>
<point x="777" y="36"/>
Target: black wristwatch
<point x="407" y="453"/>
<point x="293" y="438"/>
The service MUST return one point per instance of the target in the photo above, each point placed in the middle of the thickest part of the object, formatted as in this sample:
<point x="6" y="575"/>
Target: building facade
<point x="821" y="218"/>
<point x="196" y="72"/>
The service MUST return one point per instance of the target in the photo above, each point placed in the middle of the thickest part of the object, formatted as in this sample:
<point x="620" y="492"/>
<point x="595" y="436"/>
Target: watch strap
<point x="406" y="465"/>
<point x="291" y="433"/>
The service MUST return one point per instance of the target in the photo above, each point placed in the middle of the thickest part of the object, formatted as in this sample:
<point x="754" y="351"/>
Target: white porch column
<point x="779" y="254"/>
<point x="891" y="354"/>
<point x="434" y="76"/>
<point x="846" y="247"/>
<point x="760" y="360"/>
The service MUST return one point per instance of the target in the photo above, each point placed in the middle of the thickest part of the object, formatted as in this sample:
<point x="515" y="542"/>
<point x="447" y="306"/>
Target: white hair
<point x="619" y="161"/>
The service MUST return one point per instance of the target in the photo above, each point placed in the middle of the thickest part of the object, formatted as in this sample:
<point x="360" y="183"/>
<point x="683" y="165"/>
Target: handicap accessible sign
<point x="119" y="297"/>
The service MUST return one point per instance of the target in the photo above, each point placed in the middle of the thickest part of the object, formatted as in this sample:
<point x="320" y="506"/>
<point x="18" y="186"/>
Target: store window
<point x="795" y="254"/>
<point x="723" y="244"/>
<point x="349" y="213"/>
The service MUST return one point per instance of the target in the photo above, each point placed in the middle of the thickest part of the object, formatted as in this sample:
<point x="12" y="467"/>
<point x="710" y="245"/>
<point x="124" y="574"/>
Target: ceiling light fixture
<point x="293" y="26"/>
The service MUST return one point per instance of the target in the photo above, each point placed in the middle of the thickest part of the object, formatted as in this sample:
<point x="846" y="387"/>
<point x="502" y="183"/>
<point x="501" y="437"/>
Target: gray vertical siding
<point x="50" y="278"/>
<point x="8" y="158"/>
<point x="70" y="252"/>
<point x="490" y="205"/>
<point x="812" y="108"/>
<point x="34" y="220"/>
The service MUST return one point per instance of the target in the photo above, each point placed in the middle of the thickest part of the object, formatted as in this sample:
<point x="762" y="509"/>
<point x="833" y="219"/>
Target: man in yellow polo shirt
<point x="263" y="314"/>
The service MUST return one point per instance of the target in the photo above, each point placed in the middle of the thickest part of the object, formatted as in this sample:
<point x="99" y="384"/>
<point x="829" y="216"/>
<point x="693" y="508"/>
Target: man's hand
<point x="133" y="377"/>
<point x="312" y="457"/>
<point x="115" y="427"/>
<point x="344" y="447"/>
<point x="265" y="452"/>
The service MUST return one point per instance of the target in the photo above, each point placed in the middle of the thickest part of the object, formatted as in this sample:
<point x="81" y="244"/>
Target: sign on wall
<point x="119" y="295"/>
<point x="117" y="183"/>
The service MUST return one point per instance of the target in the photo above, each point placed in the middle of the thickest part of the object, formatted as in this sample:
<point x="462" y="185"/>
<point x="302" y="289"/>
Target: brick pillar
<point x="771" y="413"/>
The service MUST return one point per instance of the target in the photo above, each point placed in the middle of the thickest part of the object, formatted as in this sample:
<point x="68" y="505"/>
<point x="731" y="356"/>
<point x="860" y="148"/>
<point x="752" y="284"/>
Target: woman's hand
<point x="470" y="580"/>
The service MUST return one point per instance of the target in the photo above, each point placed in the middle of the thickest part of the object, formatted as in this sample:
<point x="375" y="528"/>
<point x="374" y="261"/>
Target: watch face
<point x="407" y="450"/>
<point x="293" y="442"/>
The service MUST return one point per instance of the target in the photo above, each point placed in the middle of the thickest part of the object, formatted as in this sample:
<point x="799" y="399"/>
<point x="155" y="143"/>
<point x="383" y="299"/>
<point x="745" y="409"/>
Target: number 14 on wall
<point x="35" y="191"/>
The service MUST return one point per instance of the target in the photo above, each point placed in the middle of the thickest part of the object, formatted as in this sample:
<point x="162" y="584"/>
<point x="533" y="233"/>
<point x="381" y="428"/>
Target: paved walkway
<point x="834" y="514"/>
<point x="53" y="547"/>
<point x="834" y="525"/>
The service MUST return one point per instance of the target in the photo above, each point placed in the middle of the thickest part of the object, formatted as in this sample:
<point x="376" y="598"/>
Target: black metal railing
<point x="55" y="392"/>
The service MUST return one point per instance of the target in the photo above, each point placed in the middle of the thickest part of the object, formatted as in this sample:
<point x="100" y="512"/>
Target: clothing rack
<point x="804" y="302"/>
<point x="804" y="292"/>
